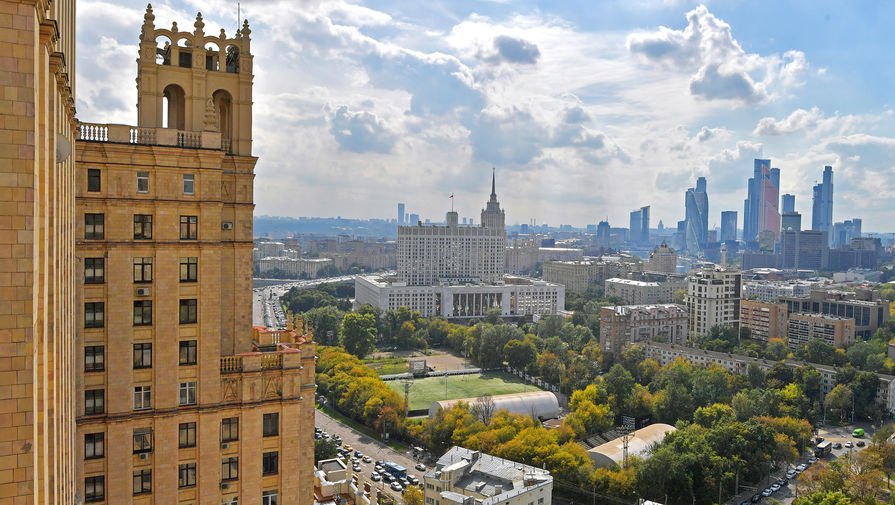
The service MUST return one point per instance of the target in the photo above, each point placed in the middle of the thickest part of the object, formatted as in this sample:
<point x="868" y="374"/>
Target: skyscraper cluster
<point x="822" y="205"/>
<point x="696" y="204"/>
<point x="761" y="208"/>
<point x="638" y="231"/>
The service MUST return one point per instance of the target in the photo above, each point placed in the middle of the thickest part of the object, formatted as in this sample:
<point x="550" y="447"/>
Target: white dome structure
<point x="538" y="404"/>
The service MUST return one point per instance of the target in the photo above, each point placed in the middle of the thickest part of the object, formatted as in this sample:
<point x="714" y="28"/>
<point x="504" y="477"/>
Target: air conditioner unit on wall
<point x="225" y="485"/>
<point x="225" y="445"/>
<point x="143" y="292"/>
<point x="144" y="455"/>
<point x="226" y="225"/>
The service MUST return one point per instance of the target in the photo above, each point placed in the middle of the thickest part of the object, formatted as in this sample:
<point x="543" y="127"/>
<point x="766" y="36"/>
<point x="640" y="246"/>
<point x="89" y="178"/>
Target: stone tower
<point x="193" y="82"/>
<point x="492" y="215"/>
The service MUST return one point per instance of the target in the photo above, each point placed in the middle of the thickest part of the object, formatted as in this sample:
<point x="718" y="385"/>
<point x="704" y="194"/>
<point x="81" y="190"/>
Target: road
<point x="272" y="293"/>
<point x="834" y="434"/>
<point x="370" y="447"/>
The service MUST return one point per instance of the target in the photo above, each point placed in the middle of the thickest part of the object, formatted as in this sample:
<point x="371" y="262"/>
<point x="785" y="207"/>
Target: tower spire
<point x="493" y="192"/>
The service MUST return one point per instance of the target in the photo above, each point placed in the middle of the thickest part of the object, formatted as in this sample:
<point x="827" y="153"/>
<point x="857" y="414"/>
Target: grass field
<point x="425" y="391"/>
<point x="387" y="366"/>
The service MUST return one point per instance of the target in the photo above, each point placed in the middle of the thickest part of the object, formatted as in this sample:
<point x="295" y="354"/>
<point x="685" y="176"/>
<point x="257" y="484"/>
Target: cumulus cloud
<point x="811" y="121"/>
<point x="723" y="70"/>
<point x="507" y="137"/>
<point x="361" y="132"/>
<point x="513" y="50"/>
<point x="729" y="170"/>
<point x="706" y="134"/>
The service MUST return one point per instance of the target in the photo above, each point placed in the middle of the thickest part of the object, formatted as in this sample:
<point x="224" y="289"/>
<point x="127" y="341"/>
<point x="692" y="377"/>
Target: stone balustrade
<point x="124" y="134"/>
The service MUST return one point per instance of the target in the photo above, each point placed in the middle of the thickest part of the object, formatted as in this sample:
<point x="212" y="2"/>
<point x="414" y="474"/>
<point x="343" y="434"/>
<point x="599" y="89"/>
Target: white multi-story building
<point x="514" y="296"/>
<point x="429" y="254"/>
<point x="635" y="292"/>
<point x="267" y="249"/>
<point x="773" y="290"/>
<point x="713" y="299"/>
<point x="466" y="477"/>
<point x="458" y="272"/>
<point x="294" y="266"/>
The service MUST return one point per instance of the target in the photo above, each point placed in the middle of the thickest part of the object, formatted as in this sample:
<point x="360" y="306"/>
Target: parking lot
<point x="375" y="450"/>
<point x="841" y="435"/>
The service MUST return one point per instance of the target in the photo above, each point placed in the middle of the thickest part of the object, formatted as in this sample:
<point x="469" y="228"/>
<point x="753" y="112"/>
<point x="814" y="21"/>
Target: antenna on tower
<point x="238" y="16"/>
<point x="407" y="384"/>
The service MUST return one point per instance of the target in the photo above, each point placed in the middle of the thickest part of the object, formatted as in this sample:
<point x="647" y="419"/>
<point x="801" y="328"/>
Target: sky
<point x="586" y="109"/>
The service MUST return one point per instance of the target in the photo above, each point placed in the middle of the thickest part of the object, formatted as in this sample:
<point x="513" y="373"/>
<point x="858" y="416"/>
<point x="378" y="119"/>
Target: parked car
<point x="837" y="445"/>
<point x="367" y="459"/>
<point x="812" y="460"/>
<point x="848" y="445"/>
<point x="348" y="447"/>
<point x="767" y="492"/>
<point x="375" y="476"/>
<point x="421" y="467"/>
<point x="756" y="498"/>
<point x="790" y="474"/>
<point x="413" y="480"/>
<point x="783" y="482"/>
<point x="396" y="487"/>
<point x="860" y="443"/>
<point x="775" y="487"/>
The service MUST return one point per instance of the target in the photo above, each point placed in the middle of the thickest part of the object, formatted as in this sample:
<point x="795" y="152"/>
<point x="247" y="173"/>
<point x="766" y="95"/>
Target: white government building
<point x="457" y="271"/>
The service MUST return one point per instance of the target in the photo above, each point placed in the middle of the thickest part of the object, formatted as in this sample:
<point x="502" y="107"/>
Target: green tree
<point x="824" y="498"/>
<point x="324" y="449"/>
<point x="520" y="355"/>
<point x="326" y="322"/>
<point x="619" y="384"/>
<point x="839" y="400"/>
<point x="494" y="339"/>
<point x="414" y="496"/>
<point x="358" y="334"/>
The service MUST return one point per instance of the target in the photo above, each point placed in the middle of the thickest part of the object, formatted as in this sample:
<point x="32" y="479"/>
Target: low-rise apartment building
<point x="864" y="306"/>
<point x="621" y="325"/>
<point x="834" y="330"/>
<point x="637" y="292"/>
<point x="765" y="320"/>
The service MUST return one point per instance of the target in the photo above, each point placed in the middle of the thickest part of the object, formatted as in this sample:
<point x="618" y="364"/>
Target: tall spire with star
<point x="492" y="215"/>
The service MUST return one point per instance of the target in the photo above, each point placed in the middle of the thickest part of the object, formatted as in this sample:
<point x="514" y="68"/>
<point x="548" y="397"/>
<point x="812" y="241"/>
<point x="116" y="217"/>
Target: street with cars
<point x="370" y="460"/>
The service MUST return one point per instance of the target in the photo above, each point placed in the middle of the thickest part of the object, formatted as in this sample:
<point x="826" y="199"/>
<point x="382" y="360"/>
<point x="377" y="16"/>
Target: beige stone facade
<point x="180" y="399"/>
<point x="37" y="278"/>
<point x="765" y="320"/>
<point x="622" y="325"/>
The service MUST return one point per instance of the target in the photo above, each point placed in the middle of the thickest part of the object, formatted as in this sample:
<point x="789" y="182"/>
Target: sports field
<point x="425" y="391"/>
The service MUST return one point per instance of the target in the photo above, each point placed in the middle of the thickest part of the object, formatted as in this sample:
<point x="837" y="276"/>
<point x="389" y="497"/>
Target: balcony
<point x="256" y="376"/>
<point x="148" y="136"/>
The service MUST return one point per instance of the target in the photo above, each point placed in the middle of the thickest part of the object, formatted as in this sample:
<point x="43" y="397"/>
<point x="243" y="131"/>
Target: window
<point x="142" y="312"/>
<point x="93" y="227"/>
<point x="142" y="440"/>
<point x="230" y="500"/>
<point x="142" y="182"/>
<point x="189" y="269"/>
<point x="94" y="488"/>
<point x="94" y="270"/>
<point x="187" y="393"/>
<point x="188" y="352"/>
<point x="142" y="397"/>
<point x="186" y="475"/>
<point x="142" y="481"/>
<point x="189" y="227"/>
<point x="229" y="429"/>
<point x="143" y="269"/>
<point x="270" y="462"/>
<point x="269" y="497"/>
<point x="94" y="358"/>
<point x="142" y="226"/>
<point x="142" y="356"/>
<point x="230" y="468"/>
<point x="189" y="184"/>
<point x="188" y="311"/>
<point x="93" y="180"/>
<point x="186" y="435"/>
<point x="94" y="445"/>
<point x="93" y="401"/>
<point x="271" y="424"/>
<point x="94" y="314"/>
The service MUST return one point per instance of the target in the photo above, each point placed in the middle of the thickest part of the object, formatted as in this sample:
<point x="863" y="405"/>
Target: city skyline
<point x="390" y="101"/>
